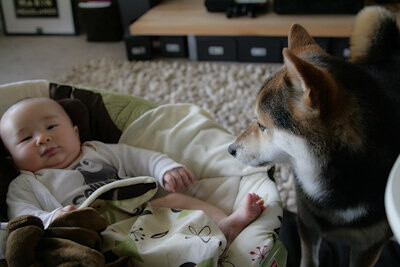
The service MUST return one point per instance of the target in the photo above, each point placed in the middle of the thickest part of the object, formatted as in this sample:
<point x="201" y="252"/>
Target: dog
<point x="336" y="122"/>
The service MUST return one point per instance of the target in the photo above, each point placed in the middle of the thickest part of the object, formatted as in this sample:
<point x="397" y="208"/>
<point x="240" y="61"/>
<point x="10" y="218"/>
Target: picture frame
<point x="38" y="17"/>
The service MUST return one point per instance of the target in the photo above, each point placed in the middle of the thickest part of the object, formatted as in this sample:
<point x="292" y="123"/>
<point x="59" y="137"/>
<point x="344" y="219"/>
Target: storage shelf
<point x="190" y="17"/>
<point x="212" y="36"/>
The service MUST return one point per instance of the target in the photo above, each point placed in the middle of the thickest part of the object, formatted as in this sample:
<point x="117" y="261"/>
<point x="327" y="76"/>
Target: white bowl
<point x="392" y="199"/>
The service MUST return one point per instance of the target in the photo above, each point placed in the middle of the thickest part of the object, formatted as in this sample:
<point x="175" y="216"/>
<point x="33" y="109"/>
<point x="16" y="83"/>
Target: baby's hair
<point x="13" y="105"/>
<point x="3" y="148"/>
<point x="29" y="99"/>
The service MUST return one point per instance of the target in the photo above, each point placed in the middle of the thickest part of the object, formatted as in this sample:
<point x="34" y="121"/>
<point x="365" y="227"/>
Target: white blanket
<point x="154" y="236"/>
<point x="190" y="136"/>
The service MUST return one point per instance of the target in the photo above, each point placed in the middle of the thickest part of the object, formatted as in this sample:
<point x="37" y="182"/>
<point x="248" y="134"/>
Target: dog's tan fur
<point x="362" y="36"/>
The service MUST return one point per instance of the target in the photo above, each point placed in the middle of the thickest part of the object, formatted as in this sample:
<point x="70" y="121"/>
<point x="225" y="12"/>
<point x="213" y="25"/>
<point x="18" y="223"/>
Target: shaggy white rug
<point x="226" y="90"/>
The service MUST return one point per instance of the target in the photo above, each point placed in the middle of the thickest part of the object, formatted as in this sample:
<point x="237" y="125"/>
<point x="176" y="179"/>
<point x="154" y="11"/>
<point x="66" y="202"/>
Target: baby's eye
<point x="25" y="139"/>
<point x="261" y="127"/>
<point x="52" y="126"/>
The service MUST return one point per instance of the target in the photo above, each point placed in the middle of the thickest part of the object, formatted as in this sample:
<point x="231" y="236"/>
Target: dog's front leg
<point x="310" y="241"/>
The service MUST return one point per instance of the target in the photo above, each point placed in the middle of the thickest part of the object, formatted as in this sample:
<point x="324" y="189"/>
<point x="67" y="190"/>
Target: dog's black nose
<point x="232" y="150"/>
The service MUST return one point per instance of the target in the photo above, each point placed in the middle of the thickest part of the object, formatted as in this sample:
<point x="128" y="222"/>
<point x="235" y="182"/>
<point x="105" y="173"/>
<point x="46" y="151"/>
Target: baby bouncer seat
<point x="190" y="136"/>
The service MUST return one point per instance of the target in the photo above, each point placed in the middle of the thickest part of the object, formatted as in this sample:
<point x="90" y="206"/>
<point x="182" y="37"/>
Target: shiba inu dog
<point x="337" y="124"/>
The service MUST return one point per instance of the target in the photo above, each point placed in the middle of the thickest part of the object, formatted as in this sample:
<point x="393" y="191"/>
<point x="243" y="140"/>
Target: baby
<point x="57" y="172"/>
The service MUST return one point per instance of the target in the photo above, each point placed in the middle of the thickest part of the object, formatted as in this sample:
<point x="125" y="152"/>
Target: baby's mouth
<point x="50" y="151"/>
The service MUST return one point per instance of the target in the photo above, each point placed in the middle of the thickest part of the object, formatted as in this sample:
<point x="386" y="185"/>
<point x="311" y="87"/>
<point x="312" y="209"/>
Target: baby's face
<point x="39" y="135"/>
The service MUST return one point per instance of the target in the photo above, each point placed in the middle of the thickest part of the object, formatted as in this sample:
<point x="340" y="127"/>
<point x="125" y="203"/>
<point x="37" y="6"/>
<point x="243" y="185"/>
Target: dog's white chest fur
<point x="308" y="173"/>
<point x="306" y="165"/>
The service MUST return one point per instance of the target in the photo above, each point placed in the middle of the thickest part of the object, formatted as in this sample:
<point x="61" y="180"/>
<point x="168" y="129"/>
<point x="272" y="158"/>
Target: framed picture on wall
<point x="41" y="17"/>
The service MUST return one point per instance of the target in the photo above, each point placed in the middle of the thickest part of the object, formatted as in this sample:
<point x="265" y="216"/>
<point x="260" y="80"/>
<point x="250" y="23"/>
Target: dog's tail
<point x="375" y="35"/>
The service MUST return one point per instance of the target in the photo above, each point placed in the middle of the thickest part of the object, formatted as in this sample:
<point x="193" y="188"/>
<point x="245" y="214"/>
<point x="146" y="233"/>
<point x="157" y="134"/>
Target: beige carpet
<point x="226" y="90"/>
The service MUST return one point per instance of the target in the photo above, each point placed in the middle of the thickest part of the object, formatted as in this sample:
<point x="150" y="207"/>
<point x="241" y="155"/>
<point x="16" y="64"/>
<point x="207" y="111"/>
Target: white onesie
<point x="44" y="192"/>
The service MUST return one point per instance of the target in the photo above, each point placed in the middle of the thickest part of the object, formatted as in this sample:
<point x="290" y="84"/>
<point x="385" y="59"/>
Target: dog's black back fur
<point x="348" y="169"/>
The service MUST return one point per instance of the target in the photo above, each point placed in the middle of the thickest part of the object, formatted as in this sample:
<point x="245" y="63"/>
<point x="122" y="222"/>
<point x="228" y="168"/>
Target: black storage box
<point x="173" y="46"/>
<point x="323" y="42"/>
<point x="317" y="6"/>
<point x="259" y="49"/>
<point x="340" y="47"/>
<point x="102" y="23"/>
<point x="138" y="47"/>
<point x="216" y="48"/>
<point x="218" y="5"/>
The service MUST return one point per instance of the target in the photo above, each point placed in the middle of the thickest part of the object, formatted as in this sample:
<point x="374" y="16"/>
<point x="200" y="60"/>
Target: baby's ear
<point x="76" y="129"/>
<point x="79" y="115"/>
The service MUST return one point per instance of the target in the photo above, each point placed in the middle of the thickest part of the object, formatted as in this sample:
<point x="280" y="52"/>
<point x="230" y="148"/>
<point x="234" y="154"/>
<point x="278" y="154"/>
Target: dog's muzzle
<point x="232" y="150"/>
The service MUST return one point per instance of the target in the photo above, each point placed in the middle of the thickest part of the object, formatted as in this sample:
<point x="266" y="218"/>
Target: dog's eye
<point x="262" y="128"/>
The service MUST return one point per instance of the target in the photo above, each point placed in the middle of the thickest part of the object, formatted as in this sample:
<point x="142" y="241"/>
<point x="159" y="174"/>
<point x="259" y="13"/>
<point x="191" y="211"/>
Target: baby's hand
<point x="177" y="179"/>
<point x="62" y="211"/>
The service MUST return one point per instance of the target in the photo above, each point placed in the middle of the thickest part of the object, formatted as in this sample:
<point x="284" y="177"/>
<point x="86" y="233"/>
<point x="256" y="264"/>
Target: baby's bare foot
<point x="232" y="225"/>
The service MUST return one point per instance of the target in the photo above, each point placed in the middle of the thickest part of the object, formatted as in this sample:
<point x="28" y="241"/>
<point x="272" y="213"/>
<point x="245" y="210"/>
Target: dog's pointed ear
<point x="299" y="39"/>
<point x="306" y="77"/>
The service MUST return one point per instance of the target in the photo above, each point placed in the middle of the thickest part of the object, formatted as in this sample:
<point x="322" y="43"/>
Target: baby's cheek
<point x="30" y="162"/>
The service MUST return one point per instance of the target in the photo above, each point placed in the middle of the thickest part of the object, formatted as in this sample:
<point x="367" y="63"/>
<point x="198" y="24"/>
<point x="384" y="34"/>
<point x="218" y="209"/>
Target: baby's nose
<point x="42" y="139"/>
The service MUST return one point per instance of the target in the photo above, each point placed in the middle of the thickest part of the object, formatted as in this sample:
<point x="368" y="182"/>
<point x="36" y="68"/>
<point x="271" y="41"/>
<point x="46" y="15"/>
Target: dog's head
<point x="297" y="108"/>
